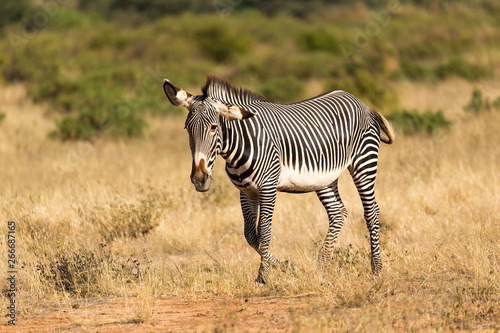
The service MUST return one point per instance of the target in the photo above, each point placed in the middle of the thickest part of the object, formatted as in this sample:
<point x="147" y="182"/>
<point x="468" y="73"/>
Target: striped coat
<point x="299" y="147"/>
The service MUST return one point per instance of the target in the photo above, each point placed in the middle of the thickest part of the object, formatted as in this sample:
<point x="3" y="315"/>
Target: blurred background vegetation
<point x="100" y="64"/>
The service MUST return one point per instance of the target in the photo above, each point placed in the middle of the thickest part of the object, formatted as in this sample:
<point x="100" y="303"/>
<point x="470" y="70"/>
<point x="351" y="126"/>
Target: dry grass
<point x="121" y="219"/>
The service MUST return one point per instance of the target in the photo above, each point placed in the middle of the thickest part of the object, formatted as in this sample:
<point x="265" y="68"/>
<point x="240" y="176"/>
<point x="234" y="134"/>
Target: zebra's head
<point x="203" y="126"/>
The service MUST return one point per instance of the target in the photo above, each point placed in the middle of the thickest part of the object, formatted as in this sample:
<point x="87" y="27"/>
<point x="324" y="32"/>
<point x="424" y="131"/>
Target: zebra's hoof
<point x="260" y="282"/>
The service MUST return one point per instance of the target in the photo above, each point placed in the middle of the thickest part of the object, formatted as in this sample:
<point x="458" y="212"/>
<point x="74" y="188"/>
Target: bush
<point x="496" y="103"/>
<point x="282" y="90"/>
<point x="66" y="18"/>
<point x="59" y="90"/>
<point x="90" y="123"/>
<point x="150" y="9"/>
<point x="476" y="103"/>
<point x="108" y="39"/>
<point x="221" y="43"/>
<point x="374" y="90"/>
<point x="414" y="71"/>
<point x="84" y="72"/>
<point x="270" y="66"/>
<point x="86" y="273"/>
<point x="76" y="272"/>
<point x="13" y="11"/>
<point x="459" y="67"/>
<point x="431" y="49"/>
<point x="318" y="40"/>
<point x="412" y="122"/>
<point x="313" y="65"/>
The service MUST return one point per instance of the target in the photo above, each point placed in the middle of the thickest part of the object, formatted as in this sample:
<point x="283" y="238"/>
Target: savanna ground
<point x="111" y="235"/>
<point x="438" y="195"/>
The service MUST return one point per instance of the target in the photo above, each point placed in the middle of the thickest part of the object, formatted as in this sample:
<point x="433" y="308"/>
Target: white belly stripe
<point x="306" y="180"/>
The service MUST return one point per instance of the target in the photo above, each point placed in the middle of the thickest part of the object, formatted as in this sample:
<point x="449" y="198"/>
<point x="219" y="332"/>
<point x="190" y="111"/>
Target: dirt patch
<point x="163" y="314"/>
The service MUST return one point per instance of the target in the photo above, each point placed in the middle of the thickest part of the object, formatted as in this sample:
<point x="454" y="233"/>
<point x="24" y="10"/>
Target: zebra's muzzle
<point x="201" y="177"/>
<point x="202" y="186"/>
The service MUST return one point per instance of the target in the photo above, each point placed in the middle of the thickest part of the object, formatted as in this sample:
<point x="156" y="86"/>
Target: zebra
<point x="297" y="148"/>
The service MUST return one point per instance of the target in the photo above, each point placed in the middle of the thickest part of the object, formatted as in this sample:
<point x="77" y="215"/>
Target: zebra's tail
<point x="387" y="133"/>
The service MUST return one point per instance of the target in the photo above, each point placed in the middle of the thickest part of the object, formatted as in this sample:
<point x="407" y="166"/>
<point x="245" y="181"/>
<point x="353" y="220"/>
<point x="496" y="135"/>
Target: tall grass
<point x="115" y="219"/>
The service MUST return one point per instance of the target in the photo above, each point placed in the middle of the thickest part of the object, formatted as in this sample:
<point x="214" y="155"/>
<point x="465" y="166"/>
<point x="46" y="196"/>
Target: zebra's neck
<point x="227" y="142"/>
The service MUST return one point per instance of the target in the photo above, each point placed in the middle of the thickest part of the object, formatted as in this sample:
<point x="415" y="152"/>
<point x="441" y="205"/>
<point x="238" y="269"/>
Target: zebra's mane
<point x="223" y="91"/>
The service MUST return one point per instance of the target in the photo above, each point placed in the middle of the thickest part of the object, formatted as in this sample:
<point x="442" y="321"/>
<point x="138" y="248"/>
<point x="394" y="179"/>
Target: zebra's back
<point x="315" y="138"/>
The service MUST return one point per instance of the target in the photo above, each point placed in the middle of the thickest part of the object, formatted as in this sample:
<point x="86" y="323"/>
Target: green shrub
<point x="3" y="63"/>
<point x="365" y="75"/>
<point x="374" y="90"/>
<point x="14" y="69"/>
<point x="59" y="90"/>
<point x="318" y="40"/>
<point x="374" y="59"/>
<point x="66" y="18"/>
<point x="476" y="102"/>
<point x="86" y="125"/>
<point x="301" y="66"/>
<point x="14" y="10"/>
<point x="282" y="90"/>
<point x="313" y="65"/>
<point x="455" y="66"/>
<point x="221" y="43"/>
<point x="151" y="9"/>
<point x="414" y="71"/>
<point x="93" y="122"/>
<point x="412" y="122"/>
<point x="2" y="117"/>
<point x="108" y="39"/>
<point x="269" y="66"/>
<point x="83" y="65"/>
<point x="496" y="103"/>
<point x="431" y="49"/>
<point x="459" y="67"/>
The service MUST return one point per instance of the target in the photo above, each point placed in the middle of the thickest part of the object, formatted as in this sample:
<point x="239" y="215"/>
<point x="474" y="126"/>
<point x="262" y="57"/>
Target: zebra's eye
<point x="213" y="128"/>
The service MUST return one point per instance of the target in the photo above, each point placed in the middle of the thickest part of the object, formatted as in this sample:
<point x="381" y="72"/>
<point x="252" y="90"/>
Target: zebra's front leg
<point x="337" y="213"/>
<point x="250" y="209"/>
<point x="267" y="199"/>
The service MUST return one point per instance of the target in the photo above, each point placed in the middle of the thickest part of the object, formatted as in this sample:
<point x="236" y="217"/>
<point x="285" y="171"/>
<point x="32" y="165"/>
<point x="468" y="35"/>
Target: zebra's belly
<point x="293" y="180"/>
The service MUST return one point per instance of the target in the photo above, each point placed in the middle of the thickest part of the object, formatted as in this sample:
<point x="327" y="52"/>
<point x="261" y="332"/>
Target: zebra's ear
<point x="233" y="112"/>
<point x="176" y="96"/>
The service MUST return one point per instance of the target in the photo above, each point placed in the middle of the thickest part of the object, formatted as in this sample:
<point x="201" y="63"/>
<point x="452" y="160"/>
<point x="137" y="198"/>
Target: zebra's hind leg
<point x="337" y="213"/>
<point x="250" y="209"/>
<point x="363" y="172"/>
